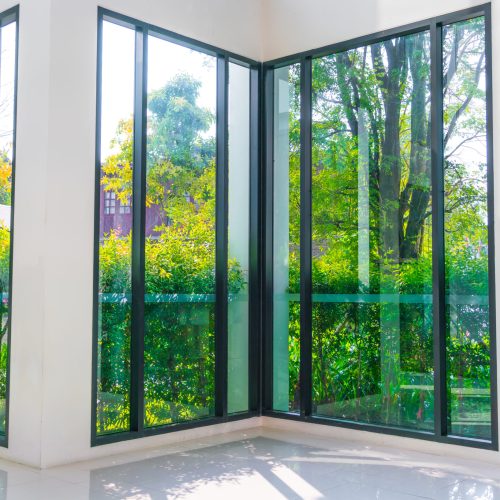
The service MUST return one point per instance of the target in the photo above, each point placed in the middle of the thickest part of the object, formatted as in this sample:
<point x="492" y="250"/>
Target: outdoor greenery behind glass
<point x="180" y="211"/>
<point x="286" y="239"/>
<point x="238" y="236"/>
<point x="115" y="235"/>
<point x="179" y="353"/>
<point x="372" y="245"/>
<point x="466" y="229"/>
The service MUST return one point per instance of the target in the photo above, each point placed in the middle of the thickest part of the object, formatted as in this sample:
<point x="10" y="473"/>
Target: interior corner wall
<point x="51" y="342"/>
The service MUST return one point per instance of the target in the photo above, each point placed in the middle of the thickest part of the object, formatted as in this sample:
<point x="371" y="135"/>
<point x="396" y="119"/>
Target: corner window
<point x="382" y="269"/>
<point x="174" y="261"/>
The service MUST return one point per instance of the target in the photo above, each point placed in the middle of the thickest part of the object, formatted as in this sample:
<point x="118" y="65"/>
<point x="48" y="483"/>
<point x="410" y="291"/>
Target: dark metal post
<point x="438" y="263"/>
<point x="267" y="233"/>
<point x="97" y="203"/>
<point x="221" y="237"/>
<point x="491" y="230"/>
<point x="306" y="237"/>
<point x="254" y="279"/>
<point x="138" y="233"/>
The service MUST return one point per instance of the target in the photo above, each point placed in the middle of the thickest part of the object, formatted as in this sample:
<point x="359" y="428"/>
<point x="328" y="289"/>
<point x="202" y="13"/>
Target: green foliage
<point x="372" y="306"/>
<point x="374" y="361"/>
<point x="178" y="124"/>
<point x="5" y="248"/>
<point x="179" y="271"/>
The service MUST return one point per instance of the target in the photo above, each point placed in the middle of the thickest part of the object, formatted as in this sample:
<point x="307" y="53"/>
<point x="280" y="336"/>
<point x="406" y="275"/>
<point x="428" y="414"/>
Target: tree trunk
<point x="391" y="82"/>
<point x="419" y="177"/>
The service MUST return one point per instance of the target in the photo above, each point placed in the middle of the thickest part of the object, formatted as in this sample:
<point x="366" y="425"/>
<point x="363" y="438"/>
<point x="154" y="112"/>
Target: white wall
<point x="53" y="258"/>
<point x="28" y="269"/>
<point x="292" y="26"/>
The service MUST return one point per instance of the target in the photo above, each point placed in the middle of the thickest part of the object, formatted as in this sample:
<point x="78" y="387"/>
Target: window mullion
<point x="138" y="234"/>
<point x="221" y="236"/>
<point x="438" y="251"/>
<point x="254" y="392"/>
<point x="491" y="231"/>
<point x="267" y="236"/>
<point x="306" y="238"/>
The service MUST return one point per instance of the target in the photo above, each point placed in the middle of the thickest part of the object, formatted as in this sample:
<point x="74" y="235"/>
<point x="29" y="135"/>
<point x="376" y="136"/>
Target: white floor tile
<point x="275" y="465"/>
<point x="48" y="488"/>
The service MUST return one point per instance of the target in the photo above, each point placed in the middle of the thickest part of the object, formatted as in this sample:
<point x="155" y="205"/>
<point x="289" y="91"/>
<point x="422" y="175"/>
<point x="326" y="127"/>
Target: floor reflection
<point x="269" y="468"/>
<point x="273" y="465"/>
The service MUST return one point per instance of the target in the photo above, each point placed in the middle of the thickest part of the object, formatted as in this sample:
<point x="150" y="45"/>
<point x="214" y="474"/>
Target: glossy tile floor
<point x="260" y="464"/>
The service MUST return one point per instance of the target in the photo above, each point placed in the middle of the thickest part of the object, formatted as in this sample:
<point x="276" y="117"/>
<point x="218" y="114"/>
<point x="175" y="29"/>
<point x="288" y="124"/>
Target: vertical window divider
<point x="254" y="379"/>
<point x="4" y="440"/>
<point x="491" y="229"/>
<point x="97" y="197"/>
<point x="306" y="237"/>
<point x="267" y="234"/>
<point x="221" y="237"/>
<point x="138" y="232"/>
<point x="438" y="251"/>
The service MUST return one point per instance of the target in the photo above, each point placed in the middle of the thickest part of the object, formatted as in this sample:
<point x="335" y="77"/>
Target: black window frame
<point x="434" y="26"/>
<point x="7" y="17"/>
<point x="223" y="58"/>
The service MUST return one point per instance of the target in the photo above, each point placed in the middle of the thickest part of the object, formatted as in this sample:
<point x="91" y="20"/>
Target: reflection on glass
<point x="115" y="233"/>
<point x="286" y="244"/>
<point x="466" y="230"/>
<point x="180" y="235"/>
<point x="7" y="91"/>
<point x="238" y="237"/>
<point x="372" y="248"/>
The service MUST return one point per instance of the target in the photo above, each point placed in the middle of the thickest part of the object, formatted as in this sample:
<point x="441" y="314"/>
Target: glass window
<point x="286" y="239"/>
<point x="125" y="206"/>
<point x="238" y="236"/>
<point x="378" y="259"/>
<point x="8" y="56"/>
<point x="372" y="244"/>
<point x="115" y="238"/>
<point x="179" y="352"/>
<point x="157" y="297"/>
<point x="109" y="202"/>
<point x="466" y="229"/>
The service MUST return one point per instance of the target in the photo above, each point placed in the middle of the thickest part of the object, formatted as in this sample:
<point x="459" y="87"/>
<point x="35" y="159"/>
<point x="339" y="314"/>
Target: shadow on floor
<point x="268" y="468"/>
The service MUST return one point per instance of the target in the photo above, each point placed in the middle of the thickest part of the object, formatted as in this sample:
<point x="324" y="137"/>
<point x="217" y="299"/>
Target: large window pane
<point x="115" y="230"/>
<point x="179" y="350"/>
<point x="7" y="93"/>
<point x="372" y="248"/>
<point x="239" y="231"/>
<point x="286" y="244"/>
<point x="466" y="229"/>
